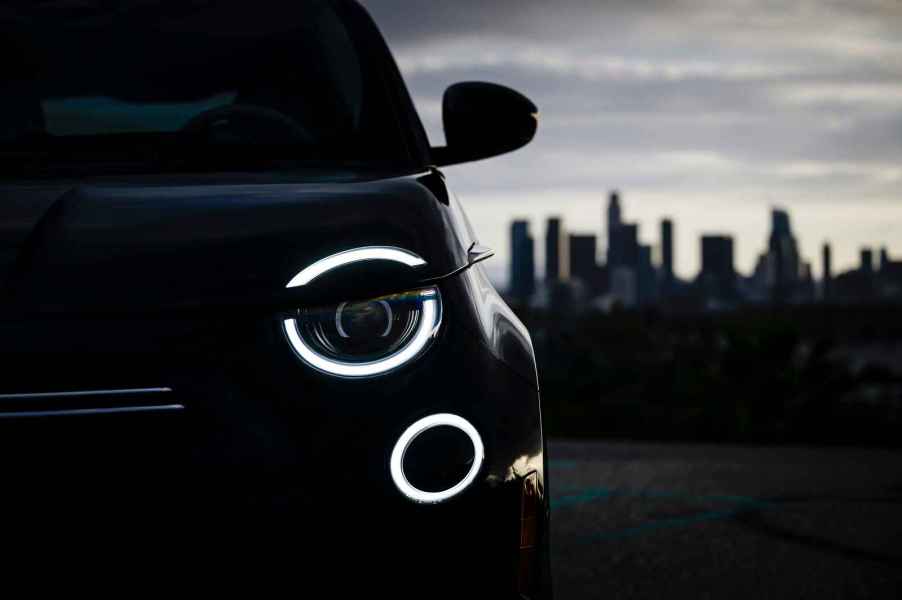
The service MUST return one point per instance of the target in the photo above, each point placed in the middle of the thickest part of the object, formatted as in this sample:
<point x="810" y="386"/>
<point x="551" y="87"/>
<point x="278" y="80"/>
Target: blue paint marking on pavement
<point x="586" y="495"/>
<point x="740" y="504"/>
<point x="562" y="464"/>
<point x="590" y="494"/>
<point x="658" y="524"/>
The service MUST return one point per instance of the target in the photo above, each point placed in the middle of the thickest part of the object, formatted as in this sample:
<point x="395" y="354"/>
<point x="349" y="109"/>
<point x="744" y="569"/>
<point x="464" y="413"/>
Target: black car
<point x="245" y="334"/>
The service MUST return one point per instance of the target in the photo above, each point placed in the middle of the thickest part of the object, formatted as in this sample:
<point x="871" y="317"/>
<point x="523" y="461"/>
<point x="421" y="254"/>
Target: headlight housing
<point x="367" y="338"/>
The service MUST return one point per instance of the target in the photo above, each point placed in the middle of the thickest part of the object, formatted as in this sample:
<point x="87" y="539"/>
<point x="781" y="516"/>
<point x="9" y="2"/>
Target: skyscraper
<point x="522" y="265"/>
<point x="614" y="222"/>
<point x="645" y="277"/>
<point x="583" y="264"/>
<point x="779" y="222"/>
<point x="666" y="256"/>
<point x="827" y="276"/>
<point x="867" y="261"/>
<point x="623" y="264"/>
<point x="626" y="241"/>
<point x="783" y="257"/>
<point x="718" y="276"/>
<point x="557" y="259"/>
<point x="624" y="286"/>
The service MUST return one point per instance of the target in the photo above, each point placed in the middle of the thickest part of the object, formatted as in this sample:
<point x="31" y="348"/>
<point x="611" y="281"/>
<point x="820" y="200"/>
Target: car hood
<point x="173" y="243"/>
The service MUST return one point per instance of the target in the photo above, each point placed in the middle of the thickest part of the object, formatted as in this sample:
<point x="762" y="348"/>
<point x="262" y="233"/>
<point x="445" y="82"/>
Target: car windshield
<point x="197" y="84"/>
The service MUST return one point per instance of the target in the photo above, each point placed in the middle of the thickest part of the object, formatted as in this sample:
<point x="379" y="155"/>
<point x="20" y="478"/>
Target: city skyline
<point x="654" y="236"/>
<point x="622" y="270"/>
<point x="687" y="259"/>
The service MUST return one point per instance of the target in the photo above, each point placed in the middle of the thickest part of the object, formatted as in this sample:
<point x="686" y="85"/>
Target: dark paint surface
<point x="122" y="244"/>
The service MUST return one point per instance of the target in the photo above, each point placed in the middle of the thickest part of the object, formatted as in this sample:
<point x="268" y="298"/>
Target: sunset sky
<point x="707" y="112"/>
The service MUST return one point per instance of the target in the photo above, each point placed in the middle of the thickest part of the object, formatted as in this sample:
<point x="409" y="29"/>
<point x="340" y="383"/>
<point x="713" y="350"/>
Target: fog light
<point x="436" y="458"/>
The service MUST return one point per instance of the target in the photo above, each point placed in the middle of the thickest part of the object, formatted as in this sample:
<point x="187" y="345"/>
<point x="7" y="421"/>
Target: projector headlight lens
<point x="366" y="338"/>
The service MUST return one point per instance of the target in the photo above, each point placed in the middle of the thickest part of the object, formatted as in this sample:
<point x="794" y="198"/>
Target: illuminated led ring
<point x="426" y="329"/>
<point x="347" y="257"/>
<point x="396" y="463"/>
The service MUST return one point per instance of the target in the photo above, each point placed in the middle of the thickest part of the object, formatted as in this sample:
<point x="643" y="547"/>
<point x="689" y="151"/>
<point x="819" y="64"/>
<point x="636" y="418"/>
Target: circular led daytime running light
<point x="426" y="330"/>
<point x="396" y="463"/>
<point x="347" y="257"/>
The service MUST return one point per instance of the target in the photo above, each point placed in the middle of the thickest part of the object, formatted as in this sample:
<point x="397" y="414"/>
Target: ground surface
<point x="636" y="520"/>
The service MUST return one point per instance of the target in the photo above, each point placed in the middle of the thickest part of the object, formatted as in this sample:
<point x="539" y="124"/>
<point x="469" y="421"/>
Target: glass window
<point x="200" y="84"/>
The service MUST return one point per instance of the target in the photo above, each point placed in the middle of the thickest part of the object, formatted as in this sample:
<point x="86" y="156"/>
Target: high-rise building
<point x="624" y="286"/>
<point x="583" y="265"/>
<point x="626" y="240"/>
<point x="827" y="276"/>
<point x="646" y="282"/>
<point x="557" y="255"/>
<point x="666" y="256"/>
<point x="861" y="284"/>
<point x="783" y="257"/>
<point x="867" y="261"/>
<point x="614" y="222"/>
<point x="522" y="265"/>
<point x="718" y="275"/>
<point x="717" y="255"/>
<point x="623" y="263"/>
<point x="884" y="259"/>
<point x="779" y="222"/>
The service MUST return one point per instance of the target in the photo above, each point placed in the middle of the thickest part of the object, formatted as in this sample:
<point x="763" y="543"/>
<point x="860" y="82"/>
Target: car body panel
<point x="261" y="436"/>
<point x="132" y="245"/>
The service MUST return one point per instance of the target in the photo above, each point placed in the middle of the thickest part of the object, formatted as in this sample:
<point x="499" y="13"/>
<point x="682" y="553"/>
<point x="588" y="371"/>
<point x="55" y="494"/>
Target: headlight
<point x="371" y="337"/>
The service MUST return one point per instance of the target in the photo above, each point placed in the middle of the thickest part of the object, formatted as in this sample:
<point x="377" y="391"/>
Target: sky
<point x="707" y="112"/>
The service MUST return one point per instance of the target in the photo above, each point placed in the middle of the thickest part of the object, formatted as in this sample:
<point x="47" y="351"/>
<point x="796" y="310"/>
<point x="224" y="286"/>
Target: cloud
<point x="870" y="94"/>
<point x="733" y="105"/>
<point x="473" y="53"/>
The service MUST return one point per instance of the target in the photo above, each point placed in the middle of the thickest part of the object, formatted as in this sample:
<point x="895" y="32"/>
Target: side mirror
<point x="483" y="120"/>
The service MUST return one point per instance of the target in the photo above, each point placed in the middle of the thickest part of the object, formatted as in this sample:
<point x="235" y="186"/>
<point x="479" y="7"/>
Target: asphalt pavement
<point x="642" y="520"/>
